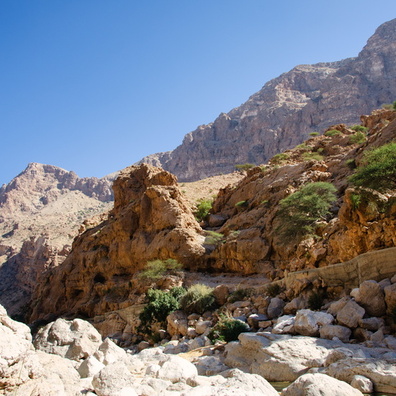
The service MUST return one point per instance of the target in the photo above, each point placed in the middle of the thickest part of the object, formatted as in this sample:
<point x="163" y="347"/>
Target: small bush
<point x="314" y="134"/>
<point x="315" y="301"/>
<point x="240" y="294"/>
<point x="333" y="132"/>
<point x="312" y="156"/>
<point x="273" y="289"/>
<point x="299" y="212"/>
<point x="357" y="138"/>
<point x="378" y="170"/>
<point x="279" y="158"/>
<point x="160" y="305"/>
<point x="359" y="128"/>
<point x="198" y="299"/>
<point x="303" y="146"/>
<point x="356" y="200"/>
<point x="241" y="204"/>
<point x="244" y="167"/>
<point x="351" y="163"/>
<point x="214" y="238"/>
<point x="155" y="269"/>
<point x="394" y="105"/>
<point x="227" y="329"/>
<point x="203" y="208"/>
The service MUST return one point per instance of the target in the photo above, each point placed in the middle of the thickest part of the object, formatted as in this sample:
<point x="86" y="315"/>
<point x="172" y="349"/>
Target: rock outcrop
<point x="41" y="211"/>
<point x="309" y="98"/>
<point x="250" y="241"/>
<point x="150" y="221"/>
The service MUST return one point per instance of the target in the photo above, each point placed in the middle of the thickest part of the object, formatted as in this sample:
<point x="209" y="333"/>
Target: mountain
<point x="151" y="220"/>
<point x="306" y="99"/>
<point x="41" y="211"/>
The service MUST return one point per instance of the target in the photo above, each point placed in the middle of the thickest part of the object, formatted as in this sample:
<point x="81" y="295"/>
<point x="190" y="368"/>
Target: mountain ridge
<point x="287" y="109"/>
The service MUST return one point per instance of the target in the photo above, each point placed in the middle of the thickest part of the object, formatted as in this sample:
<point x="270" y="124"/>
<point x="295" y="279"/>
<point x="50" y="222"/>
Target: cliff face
<point x="251" y="242"/>
<point x="41" y="211"/>
<point x="281" y="115"/>
<point x="150" y="220"/>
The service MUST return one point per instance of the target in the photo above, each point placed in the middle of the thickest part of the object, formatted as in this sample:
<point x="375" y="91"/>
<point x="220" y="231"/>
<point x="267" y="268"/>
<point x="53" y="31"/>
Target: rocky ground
<point x="344" y="348"/>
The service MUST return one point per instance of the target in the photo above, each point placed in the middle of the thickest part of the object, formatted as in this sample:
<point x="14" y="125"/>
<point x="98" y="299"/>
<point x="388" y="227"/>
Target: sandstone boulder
<point x="308" y="322"/>
<point x="177" y="323"/>
<point x="108" y="353"/>
<point x="362" y="383"/>
<point x="319" y="385"/>
<point x="275" y="307"/>
<point x="76" y="339"/>
<point x="335" y="331"/>
<point x="350" y="314"/>
<point x="176" y="369"/>
<point x="371" y="297"/>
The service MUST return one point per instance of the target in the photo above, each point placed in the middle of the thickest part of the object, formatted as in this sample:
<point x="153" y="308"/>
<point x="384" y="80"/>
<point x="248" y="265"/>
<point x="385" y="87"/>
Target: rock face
<point x="150" y="221"/>
<point x="308" y="98"/>
<point x="41" y="211"/>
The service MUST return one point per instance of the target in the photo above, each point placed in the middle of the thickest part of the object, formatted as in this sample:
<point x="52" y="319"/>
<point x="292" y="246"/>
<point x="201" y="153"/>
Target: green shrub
<point x="299" y="212"/>
<point x="303" y="146"/>
<point x="244" y="167"/>
<point x="359" y="128"/>
<point x="198" y="299"/>
<point x="357" y="138"/>
<point x="273" y="289"/>
<point x="356" y="200"/>
<point x="394" y="105"/>
<point x="333" y="132"/>
<point x="203" y="208"/>
<point x="279" y="158"/>
<point x="214" y="238"/>
<point x="227" y="329"/>
<point x="312" y="156"/>
<point x="241" y="204"/>
<point x="351" y="163"/>
<point x="314" y="134"/>
<point x="315" y="301"/>
<point x="155" y="269"/>
<point x="240" y="294"/>
<point x="160" y="305"/>
<point x="378" y="170"/>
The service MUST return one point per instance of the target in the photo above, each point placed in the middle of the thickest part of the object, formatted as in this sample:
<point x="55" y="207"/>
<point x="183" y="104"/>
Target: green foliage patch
<point x="279" y="158"/>
<point x="333" y="132"/>
<point x="203" y="208"/>
<point x="198" y="299"/>
<point x="357" y="138"/>
<point x="378" y="170"/>
<point x="299" y="212"/>
<point x="227" y="329"/>
<point x="155" y="269"/>
<point x="160" y="305"/>
<point x="244" y="167"/>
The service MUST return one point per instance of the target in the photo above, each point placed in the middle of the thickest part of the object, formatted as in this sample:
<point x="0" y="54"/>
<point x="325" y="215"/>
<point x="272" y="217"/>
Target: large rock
<point x="176" y="369"/>
<point x="308" y="322"/>
<point x="335" y="331"/>
<point x="380" y="371"/>
<point x="76" y="339"/>
<point x="371" y="297"/>
<point x="350" y="314"/>
<point x="114" y="379"/>
<point x="177" y="323"/>
<point x="319" y="385"/>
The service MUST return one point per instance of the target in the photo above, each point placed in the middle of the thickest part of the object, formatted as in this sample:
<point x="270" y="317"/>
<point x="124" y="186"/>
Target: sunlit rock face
<point x="150" y="220"/>
<point x="281" y="115"/>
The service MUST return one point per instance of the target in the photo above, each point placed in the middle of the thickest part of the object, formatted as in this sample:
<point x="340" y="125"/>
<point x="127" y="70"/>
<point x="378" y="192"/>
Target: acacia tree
<point x="378" y="169"/>
<point x="300" y="211"/>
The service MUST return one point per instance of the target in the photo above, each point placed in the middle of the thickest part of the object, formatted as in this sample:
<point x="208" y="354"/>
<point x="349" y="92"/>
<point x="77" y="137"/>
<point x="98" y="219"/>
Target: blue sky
<point x="93" y="86"/>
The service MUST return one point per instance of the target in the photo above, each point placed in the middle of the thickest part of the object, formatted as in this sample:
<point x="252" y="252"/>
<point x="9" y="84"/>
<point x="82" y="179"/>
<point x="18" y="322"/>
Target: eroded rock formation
<point x="150" y="221"/>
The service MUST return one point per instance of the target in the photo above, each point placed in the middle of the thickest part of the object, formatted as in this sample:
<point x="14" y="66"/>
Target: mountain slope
<point x="287" y="109"/>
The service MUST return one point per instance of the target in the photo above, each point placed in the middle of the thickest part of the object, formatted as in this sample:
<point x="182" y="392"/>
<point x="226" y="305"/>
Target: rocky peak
<point x="150" y="220"/>
<point x="309" y="98"/>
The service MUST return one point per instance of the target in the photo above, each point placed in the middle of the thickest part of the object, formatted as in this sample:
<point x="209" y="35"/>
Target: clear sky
<point x="94" y="85"/>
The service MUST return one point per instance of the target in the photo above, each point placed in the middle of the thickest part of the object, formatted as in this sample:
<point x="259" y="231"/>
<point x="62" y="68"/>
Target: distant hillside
<point x="281" y="115"/>
<point x="41" y="211"/>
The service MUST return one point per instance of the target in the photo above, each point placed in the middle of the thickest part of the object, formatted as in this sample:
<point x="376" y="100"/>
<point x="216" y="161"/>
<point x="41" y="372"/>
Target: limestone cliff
<point x="150" y="220"/>
<point x="281" y="115"/>
<point x="41" y="211"/>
